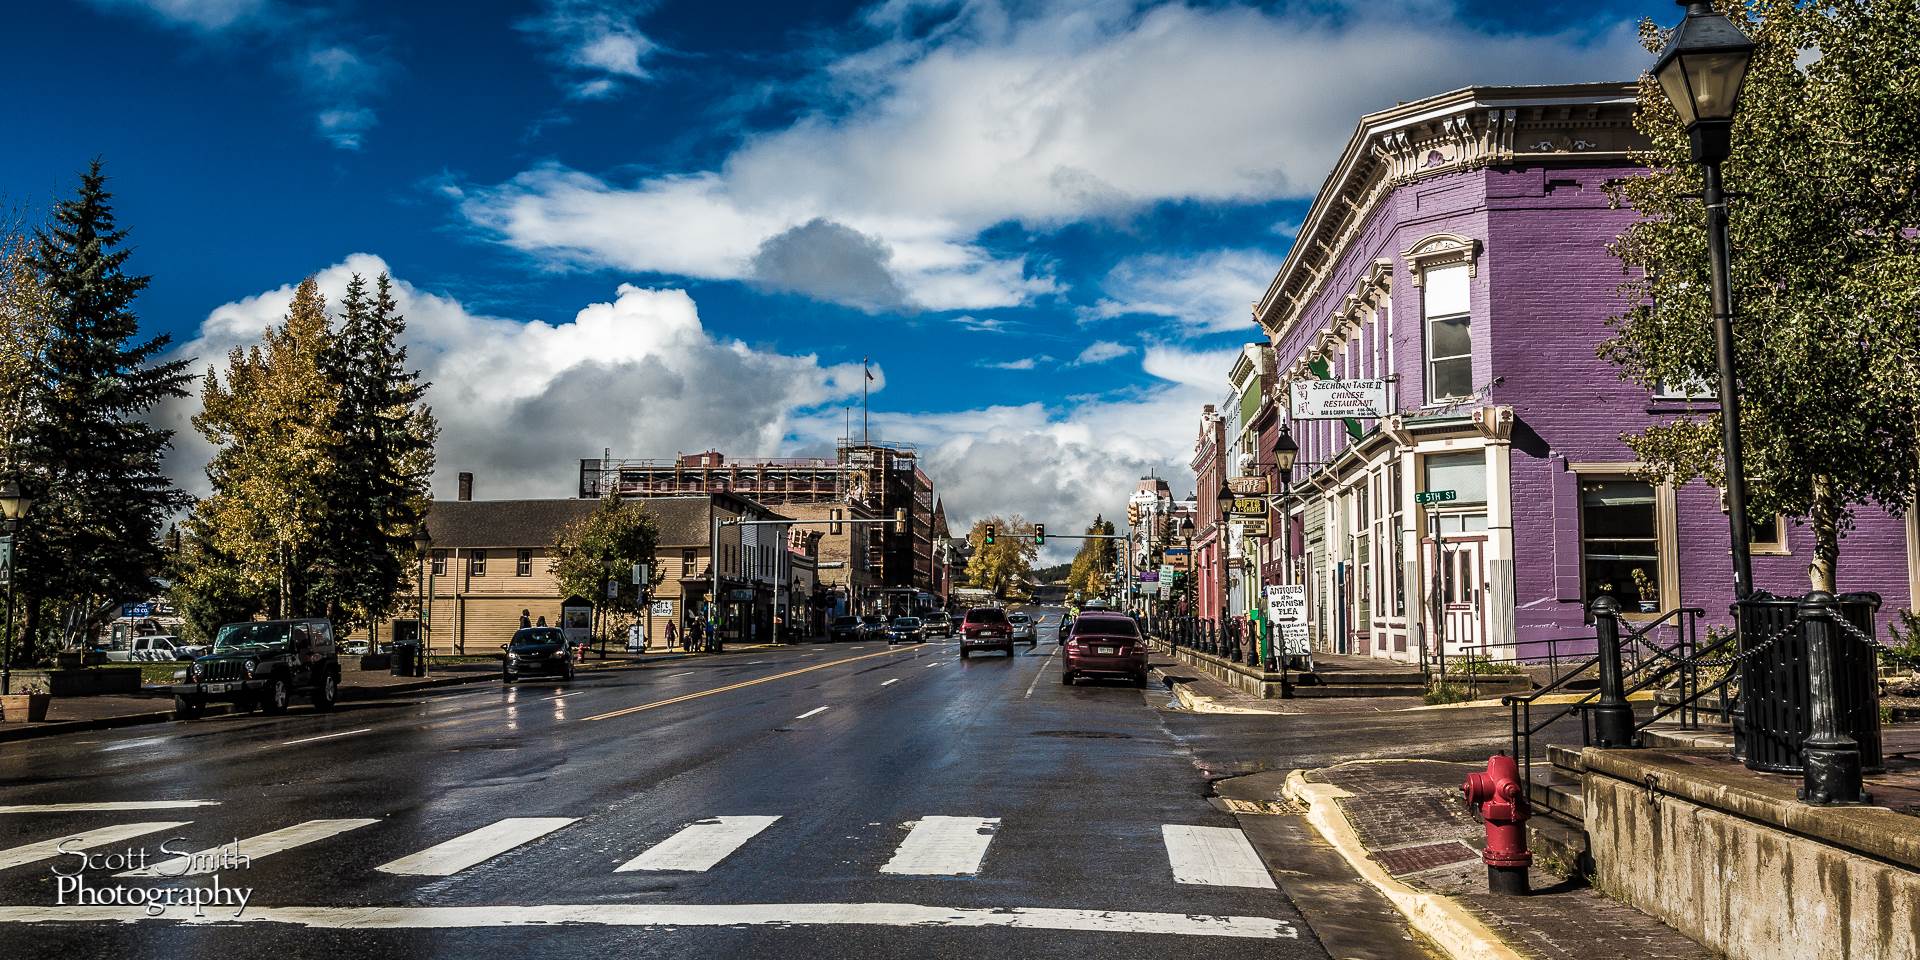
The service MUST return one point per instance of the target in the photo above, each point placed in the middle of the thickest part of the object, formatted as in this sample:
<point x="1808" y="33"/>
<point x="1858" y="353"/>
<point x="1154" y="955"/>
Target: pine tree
<point x="271" y="424"/>
<point x="383" y="438"/>
<point x="89" y="451"/>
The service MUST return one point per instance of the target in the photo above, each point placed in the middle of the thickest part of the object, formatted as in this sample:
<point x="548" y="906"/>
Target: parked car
<point x="938" y="624"/>
<point x="541" y="650"/>
<point x="263" y="664"/>
<point x="1024" y="629"/>
<point x="1105" y="644"/>
<point x="145" y="649"/>
<point x="356" y="648"/>
<point x="985" y="628"/>
<point x="873" y="626"/>
<point x="845" y="628"/>
<point x="906" y="630"/>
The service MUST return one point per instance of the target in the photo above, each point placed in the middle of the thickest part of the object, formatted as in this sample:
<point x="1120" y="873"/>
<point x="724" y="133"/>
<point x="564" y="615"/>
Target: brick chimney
<point x="466" y="486"/>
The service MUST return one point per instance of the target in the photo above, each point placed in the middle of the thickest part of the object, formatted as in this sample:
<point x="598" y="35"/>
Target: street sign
<point x="1248" y="486"/>
<point x="613" y="589"/>
<point x="136" y="611"/>
<point x="1338" y="399"/>
<point x="1247" y="507"/>
<point x="6" y="561"/>
<point x="1166" y="573"/>
<point x="1435" y="496"/>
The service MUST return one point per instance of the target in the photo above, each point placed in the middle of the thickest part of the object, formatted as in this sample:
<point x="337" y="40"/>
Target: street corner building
<point x="1457" y="256"/>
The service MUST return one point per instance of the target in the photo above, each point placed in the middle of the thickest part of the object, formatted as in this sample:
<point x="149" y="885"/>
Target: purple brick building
<point x="1458" y="252"/>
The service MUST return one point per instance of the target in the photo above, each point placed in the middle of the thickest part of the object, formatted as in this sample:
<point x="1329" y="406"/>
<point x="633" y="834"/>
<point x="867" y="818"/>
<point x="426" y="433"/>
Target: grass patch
<point x="1447" y="693"/>
<point x="1482" y="667"/>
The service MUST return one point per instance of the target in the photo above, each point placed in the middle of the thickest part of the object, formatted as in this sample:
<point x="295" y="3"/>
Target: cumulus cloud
<point x="829" y="261"/>
<point x="965" y="117"/>
<point x="1100" y="351"/>
<point x="1207" y="292"/>
<point x="599" y="42"/>
<point x="521" y="402"/>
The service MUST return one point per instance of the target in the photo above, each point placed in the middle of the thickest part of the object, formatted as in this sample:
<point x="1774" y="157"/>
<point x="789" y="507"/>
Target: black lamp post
<point x="422" y="542"/>
<point x="14" y="503"/>
<point x="1285" y="451"/>
<point x="1702" y="69"/>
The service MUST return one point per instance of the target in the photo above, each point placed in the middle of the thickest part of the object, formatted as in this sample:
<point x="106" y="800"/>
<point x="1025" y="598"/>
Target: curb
<point x="35" y="731"/>
<point x="1200" y="703"/>
<point x="1449" y="925"/>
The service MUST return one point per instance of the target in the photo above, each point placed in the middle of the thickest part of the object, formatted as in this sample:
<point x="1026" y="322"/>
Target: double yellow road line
<point x="737" y="686"/>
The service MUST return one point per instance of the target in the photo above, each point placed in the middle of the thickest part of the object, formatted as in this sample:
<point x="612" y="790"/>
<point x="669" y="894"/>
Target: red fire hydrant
<point x="1502" y="799"/>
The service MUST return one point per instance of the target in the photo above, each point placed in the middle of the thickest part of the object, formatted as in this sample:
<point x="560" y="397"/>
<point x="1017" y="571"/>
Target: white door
<point x="1459" y="580"/>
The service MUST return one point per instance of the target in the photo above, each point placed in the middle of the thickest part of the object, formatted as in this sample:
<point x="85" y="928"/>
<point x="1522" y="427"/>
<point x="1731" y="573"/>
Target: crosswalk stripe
<point x="944" y="846"/>
<point x="253" y="848"/>
<point x="492" y="840"/>
<point x="1214" y="856"/>
<point x="105" y="806"/>
<point x="699" y="846"/>
<point x="85" y="840"/>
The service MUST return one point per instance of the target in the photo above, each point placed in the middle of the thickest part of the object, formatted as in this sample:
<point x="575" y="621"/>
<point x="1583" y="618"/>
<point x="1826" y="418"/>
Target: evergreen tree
<point x="88" y="449"/>
<point x="382" y="436"/>
<point x="1093" y="565"/>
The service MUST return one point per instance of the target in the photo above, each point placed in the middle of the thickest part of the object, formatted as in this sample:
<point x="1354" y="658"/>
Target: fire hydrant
<point x="1502" y="799"/>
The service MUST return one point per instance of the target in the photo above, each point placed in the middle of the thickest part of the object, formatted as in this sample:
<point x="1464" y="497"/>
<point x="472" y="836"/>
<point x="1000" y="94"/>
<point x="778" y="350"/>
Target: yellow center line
<point x="736" y="686"/>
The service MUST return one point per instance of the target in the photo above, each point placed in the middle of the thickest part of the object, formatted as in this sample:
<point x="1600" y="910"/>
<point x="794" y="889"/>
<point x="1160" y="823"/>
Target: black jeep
<point x="263" y="664"/>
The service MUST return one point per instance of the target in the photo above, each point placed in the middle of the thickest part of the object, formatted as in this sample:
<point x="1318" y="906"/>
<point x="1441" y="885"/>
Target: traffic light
<point x="900" y="520"/>
<point x="1039" y="533"/>
<point x="989" y="534"/>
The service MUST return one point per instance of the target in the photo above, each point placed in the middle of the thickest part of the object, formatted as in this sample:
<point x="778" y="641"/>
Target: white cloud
<point x="1207" y="292"/>
<point x="982" y="324"/>
<point x="1100" y="351"/>
<point x="1023" y="363"/>
<point x="205" y="15"/>
<point x="598" y="41"/>
<point x="973" y="115"/>
<point x="520" y="403"/>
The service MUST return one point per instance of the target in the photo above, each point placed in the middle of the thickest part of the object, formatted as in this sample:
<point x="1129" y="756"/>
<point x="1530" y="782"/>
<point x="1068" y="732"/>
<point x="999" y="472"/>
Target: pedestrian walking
<point x="526" y="619"/>
<point x="672" y="634"/>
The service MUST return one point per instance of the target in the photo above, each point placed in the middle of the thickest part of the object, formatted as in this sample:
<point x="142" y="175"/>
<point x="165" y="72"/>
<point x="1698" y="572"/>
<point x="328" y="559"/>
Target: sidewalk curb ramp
<point x="1446" y="923"/>
<point x="33" y="731"/>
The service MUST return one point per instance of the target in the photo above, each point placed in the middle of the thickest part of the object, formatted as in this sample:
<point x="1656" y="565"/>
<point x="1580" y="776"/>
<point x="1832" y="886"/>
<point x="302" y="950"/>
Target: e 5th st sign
<point x="1435" y="496"/>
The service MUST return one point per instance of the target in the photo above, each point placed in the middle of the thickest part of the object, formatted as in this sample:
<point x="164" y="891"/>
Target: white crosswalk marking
<point x="85" y="840"/>
<point x="699" y="846"/>
<point x="253" y="848"/>
<point x="944" y="846"/>
<point x="1214" y="856"/>
<point x="453" y="856"/>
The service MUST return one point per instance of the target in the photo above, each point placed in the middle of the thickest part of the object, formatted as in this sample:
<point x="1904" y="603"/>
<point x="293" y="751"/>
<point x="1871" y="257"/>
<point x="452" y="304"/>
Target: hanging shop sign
<point x="1248" y="486"/>
<point x="1338" y="399"/>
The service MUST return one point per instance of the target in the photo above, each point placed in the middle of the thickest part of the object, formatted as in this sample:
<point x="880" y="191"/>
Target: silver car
<point x="1023" y="628"/>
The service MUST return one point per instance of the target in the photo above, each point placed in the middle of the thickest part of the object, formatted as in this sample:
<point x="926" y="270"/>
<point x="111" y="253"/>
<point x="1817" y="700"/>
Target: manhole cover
<point x="1084" y="734"/>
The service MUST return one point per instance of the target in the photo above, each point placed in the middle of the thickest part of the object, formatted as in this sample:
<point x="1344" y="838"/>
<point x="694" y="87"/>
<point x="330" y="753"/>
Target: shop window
<point x="1449" y="325"/>
<point x="1464" y="473"/>
<point x="439" y="563"/>
<point x="1620" y="542"/>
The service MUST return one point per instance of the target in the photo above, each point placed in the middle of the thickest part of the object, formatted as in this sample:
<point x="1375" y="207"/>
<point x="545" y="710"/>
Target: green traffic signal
<point x="989" y="534"/>
<point x="1039" y="533"/>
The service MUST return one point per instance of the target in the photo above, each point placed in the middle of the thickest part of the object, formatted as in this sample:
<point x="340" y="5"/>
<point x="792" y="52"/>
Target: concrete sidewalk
<point x="1404" y="827"/>
<point x="154" y="705"/>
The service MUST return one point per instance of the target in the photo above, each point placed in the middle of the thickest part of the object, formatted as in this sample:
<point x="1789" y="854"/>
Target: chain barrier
<point x="1697" y="662"/>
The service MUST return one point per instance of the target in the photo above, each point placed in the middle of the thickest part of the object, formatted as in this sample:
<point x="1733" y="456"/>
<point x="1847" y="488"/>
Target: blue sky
<point x="663" y="226"/>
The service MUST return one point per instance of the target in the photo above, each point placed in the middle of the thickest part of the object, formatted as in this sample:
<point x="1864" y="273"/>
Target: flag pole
<point x="866" y="369"/>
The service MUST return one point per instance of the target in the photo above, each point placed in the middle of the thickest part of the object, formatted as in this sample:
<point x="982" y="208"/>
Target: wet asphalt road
<point x="1082" y="782"/>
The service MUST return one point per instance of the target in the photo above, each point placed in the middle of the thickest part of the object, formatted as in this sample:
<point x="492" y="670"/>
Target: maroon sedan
<point x="1104" y="644"/>
<point x="985" y="628"/>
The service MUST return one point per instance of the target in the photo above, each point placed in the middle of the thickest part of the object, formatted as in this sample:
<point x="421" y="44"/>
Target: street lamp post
<point x="422" y="542"/>
<point x="14" y="503"/>
<point x="1702" y="69"/>
<point x="1285" y="451"/>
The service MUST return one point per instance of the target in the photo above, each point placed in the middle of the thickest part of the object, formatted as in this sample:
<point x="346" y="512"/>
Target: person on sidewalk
<point x="526" y="620"/>
<point x="672" y="634"/>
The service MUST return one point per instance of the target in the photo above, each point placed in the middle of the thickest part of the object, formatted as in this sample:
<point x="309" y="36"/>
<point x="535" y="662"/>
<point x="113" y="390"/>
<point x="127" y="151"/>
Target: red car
<point x="1104" y="643"/>
<point x="985" y="628"/>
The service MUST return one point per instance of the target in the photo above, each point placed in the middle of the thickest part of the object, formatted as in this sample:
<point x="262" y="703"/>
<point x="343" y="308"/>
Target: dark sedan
<point x="846" y="628"/>
<point x="538" y="650"/>
<point x="906" y="630"/>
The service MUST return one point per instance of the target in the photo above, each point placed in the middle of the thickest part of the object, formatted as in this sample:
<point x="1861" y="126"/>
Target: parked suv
<point x="263" y="664"/>
<point x="939" y="624"/>
<point x="985" y="628"/>
<point x="1104" y="643"/>
<point x="845" y="628"/>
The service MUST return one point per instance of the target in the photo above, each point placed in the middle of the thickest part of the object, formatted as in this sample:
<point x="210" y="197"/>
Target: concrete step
<point x="1559" y="846"/>
<point x="1566" y="758"/>
<point x="1359" y="690"/>
<point x="1556" y="791"/>
<point x="1706" y="737"/>
<point x="1365" y="677"/>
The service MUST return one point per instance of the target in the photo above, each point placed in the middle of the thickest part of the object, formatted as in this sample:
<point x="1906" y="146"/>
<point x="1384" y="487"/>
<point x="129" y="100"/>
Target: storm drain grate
<point x="1405" y="860"/>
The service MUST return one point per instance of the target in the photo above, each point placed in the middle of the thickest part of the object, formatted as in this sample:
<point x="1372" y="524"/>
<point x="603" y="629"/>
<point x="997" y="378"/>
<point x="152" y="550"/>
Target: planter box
<point x="25" y="707"/>
<point x="87" y="683"/>
<point x="377" y="661"/>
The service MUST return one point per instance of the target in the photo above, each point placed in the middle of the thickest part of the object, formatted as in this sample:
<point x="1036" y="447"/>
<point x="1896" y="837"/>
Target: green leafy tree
<point x="1093" y="566"/>
<point x="381" y="436"/>
<point x="271" y="424"/>
<point x="25" y="323"/>
<point x="607" y="543"/>
<point x="1826" y="270"/>
<point x="1003" y="565"/>
<point x="87" y="446"/>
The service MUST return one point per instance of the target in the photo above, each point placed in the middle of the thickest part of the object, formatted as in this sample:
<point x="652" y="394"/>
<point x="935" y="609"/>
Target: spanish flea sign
<point x="1436" y="496"/>
<point x="1338" y="399"/>
<point x="1287" y="608"/>
<point x="1248" y="486"/>
<point x="1247" y="507"/>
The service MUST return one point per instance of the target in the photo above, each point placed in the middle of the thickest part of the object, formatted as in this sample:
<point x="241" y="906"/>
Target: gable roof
<point x="467" y="524"/>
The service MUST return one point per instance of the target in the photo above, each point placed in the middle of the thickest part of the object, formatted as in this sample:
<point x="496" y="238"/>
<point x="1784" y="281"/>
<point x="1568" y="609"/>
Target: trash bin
<point x="406" y="654"/>
<point x="1774" y="691"/>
